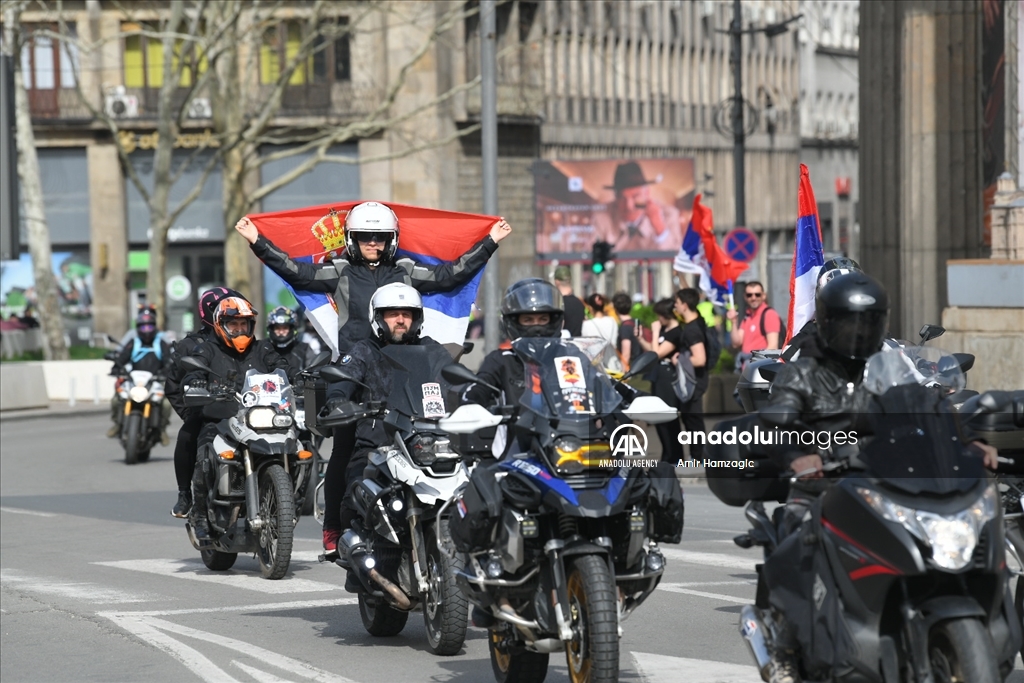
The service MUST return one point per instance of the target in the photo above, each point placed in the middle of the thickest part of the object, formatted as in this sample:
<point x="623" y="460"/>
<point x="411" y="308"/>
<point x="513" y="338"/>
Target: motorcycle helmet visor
<point x="854" y="334"/>
<point x="532" y="296"/>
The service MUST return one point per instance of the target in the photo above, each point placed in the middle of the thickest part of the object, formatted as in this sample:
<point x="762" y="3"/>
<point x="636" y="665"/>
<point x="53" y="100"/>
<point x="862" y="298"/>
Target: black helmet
<point x="532" y="295"/>
<point x="145" y="324"/>
<point x="282" y="316"/>
<point x="852" y="312"/>
<point x="834" y="267"/>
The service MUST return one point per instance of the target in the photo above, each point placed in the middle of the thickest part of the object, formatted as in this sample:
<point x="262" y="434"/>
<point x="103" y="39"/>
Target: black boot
<point x="184" y="504"/>
<point x="199" y="505"/>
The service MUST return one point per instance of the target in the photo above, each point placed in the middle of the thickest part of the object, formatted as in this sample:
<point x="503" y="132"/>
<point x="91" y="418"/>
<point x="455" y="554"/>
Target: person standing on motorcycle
<point x="833" y="268"/>
<point x="149" y="352"/>
<point x="187" y="443"/>
<point x="530" y="308"/>
<point x="232" y="352"/>
<point x="396" y="317"/>
<point x="282" y="331"/>
<point x="368" y="263"/>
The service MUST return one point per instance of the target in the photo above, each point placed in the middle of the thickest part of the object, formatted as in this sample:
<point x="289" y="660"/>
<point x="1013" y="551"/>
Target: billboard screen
<point x="640" y="206"/>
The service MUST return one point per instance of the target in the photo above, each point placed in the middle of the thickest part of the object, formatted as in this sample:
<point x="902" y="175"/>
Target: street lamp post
<point x="489" y="161"/>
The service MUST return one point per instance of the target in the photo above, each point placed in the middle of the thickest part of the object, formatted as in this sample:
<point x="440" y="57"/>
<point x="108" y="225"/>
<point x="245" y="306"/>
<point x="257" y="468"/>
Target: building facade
<point x="577" y="79"/>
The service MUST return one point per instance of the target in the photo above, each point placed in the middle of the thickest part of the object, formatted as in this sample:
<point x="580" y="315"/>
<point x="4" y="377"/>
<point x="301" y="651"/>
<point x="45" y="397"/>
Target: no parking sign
<point x="741" y="245"/>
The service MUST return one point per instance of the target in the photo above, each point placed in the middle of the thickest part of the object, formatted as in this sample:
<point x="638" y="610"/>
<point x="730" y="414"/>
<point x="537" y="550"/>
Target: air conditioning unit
<point x="199" y="108"/>
<point x="120" y="105"/>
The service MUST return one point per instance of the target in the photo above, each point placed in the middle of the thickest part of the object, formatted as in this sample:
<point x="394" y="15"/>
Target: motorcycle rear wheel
<point x="133" y="439"/>
<point x="593" y="653"/>
<point x="380" y="619"/>
<point x="277" y="512"/>
<point x="515" y="667"/>
<point x="445" y="608"/>
<point x="217" y="561"/>
<point x="961" y="650"/>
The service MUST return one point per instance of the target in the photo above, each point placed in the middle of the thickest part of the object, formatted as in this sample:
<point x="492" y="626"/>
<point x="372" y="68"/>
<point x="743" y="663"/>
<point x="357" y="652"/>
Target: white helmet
<point x="371" y="218"/>
<point x="395" y="295"/>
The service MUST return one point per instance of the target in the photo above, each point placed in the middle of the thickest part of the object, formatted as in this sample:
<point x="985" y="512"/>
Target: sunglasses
<point x="378" y="237"/>
<point x="754" y="295"/>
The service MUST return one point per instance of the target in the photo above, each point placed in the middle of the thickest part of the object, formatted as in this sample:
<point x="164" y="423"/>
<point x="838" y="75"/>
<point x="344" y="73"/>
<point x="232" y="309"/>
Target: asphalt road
<point x="99" y="583"/>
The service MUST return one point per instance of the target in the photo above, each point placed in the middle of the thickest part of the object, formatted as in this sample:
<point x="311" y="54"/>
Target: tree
<point x="217" y="49"/>
<point x="50" y="321"/>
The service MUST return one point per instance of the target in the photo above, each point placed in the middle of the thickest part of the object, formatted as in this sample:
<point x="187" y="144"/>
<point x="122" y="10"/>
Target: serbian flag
<point x="808" y="258"/>
<point x="701" y="255"/>
<point x="316" y="234"/>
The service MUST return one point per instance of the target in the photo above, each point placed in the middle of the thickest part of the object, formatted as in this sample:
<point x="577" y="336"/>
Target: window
<point x="144" y="58"/>
<point x="330" y="60"/>
<point x="46" y="63"/>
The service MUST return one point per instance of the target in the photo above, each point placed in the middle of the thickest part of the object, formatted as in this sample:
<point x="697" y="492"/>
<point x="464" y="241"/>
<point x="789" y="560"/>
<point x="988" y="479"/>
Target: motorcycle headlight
<point x="427" y="449"/>
<point x="260" y="418"/>
<point x="572" y="456"/>
<point x="139" y="394"/>
<point x="282" y="421"/>
<point x="952" y="538"/>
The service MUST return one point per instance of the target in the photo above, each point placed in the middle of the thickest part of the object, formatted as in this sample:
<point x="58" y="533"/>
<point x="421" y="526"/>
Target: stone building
<point x="577" y="79"/>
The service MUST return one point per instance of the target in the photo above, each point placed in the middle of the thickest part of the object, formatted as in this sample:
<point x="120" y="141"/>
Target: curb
<point x="56" y="410"/>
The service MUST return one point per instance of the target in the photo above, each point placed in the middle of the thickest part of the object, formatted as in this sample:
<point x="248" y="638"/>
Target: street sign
<point x="178" y="288"/>
<point x="741" y="245"/>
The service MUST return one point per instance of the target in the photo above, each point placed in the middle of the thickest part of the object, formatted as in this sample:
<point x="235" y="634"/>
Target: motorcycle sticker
<point x="249" y="399"/>
<point x="570" y="373"/>
<point x="266" y="387"/>
<point x="431" y="390"/>
<point x="577" y="399"/>
<point x="433" y="407"/>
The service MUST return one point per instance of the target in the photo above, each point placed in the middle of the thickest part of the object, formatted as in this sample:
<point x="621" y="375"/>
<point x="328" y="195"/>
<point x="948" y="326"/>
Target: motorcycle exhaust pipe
<point x="401" y="599"/>
<point x="352" y="547"/>
<point x="754" y="633"/>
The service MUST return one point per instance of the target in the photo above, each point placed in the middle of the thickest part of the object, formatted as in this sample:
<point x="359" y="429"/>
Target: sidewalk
<point x="57" y="409"/>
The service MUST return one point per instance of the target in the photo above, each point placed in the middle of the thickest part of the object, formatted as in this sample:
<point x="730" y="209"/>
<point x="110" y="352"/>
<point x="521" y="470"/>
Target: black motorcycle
<point x="560" y="540"/>
<point x="900" y="574"/>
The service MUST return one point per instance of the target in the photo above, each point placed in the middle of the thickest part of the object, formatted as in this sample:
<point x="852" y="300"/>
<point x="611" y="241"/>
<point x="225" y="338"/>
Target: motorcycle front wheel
<point x="445" y="608"/>
<point x="511" y="666"/>
<point x="133" y="438"/>
<point x="961" y="650"/>
<point x="277" y="513"/>
<point x="217" y="561"/>
<point x="593" y="652"/>
<point x="379" y="618"/>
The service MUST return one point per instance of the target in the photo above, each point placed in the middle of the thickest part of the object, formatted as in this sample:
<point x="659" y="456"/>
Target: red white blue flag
<point x="701" y="254"/>
<point x="316" y="234"/>
<point x="808" y="258"/>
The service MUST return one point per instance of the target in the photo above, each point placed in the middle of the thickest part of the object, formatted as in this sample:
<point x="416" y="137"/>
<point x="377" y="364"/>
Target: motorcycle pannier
<point x="476" y="512"/>
<point x="735" y="486"/>
<point x="314" y="395"/>
<point x="665" y="504"/>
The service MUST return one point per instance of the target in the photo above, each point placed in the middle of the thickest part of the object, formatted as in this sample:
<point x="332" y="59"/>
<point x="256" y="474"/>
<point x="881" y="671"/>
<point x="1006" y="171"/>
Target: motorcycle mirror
<point x="965" y="360"/>
<point x="780" y="416"/>
<point x="460" y="374"/>
<point x="110" y="355"/>
<point x="929" y="332"/>
<point x="993" y="401"/>
<point x="333" y="373"/>
<point x="642" y="362"/>
<point x="115" y="342"/>
<point x="196" y="364"/>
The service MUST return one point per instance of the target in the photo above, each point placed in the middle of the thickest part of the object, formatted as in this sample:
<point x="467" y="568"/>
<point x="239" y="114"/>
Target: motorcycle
<point x="402" y="499"/>
<point x="143" y="396"/>
<point x="255" y="472"/>
<point x="559" y="543"/>
<point x="899" y="573"/>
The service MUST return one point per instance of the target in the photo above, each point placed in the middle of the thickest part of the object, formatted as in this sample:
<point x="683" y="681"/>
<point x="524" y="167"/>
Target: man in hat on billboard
<point x="635" y="221"/>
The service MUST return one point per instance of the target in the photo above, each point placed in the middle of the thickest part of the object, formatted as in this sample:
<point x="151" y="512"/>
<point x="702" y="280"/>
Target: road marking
<point x="691" y="584"/>
<point x="665" y="669"/>
<point x="196" y="571"/>
<point x="677" y="588"/>
<point x="74" y="590"/>
<point x="260" y="675"/>
<point x="154" y="631"/>
<point x="19" y="511"/>
<point x="262" y="607"/>
<point x="710" y="559"/>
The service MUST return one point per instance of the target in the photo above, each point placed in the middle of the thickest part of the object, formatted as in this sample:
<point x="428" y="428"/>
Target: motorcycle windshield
<point x="267" y="389"/>
<point x="917" y="444"/>
<point x="417" y="389"/>
<point x="562" y="381"/>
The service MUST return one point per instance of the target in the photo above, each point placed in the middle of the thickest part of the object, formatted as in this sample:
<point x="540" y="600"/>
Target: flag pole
<point x="730" y="304"/>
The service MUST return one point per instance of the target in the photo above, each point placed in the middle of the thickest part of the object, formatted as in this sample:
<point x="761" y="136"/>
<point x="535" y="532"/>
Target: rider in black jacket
<point x="371" y="231"/>
<point x="396" y="315"/>
<point x="147" y="351"/>
<point x="187" y="443"/>
<point x="833" y="268"/>
<point x="282" y="331"/>
<point x="232" y="353"/>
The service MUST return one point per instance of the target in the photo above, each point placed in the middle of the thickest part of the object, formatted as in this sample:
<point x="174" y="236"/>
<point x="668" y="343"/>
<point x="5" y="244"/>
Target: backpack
<point x="713" y="346"/>
<point x="686" y="378"/>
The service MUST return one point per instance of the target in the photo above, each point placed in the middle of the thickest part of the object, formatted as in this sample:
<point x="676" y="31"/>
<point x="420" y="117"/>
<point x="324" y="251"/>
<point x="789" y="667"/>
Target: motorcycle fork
<point x="419" y="553"/>
<point x="559" y="588"/>
<point x="917" y="640"/>
<point x="252" y="507"/>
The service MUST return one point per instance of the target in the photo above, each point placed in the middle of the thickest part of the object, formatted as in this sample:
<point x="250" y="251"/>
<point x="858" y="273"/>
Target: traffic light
<point x="601" y="255"/>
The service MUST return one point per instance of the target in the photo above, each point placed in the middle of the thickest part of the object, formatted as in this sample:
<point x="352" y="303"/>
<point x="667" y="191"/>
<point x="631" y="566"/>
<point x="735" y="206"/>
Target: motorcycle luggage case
<point x="1003" y="430"/>
<point x="752" y="387"/>
<point x="314" y="396"/>
<point x="734" y="486"/>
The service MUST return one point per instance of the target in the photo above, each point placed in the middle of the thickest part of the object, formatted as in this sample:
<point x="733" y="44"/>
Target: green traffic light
<point x="597" y="268"/>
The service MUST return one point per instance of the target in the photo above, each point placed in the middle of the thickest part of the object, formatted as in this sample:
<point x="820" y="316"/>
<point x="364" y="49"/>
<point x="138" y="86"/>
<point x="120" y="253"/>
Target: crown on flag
<point x="330" y="233"/>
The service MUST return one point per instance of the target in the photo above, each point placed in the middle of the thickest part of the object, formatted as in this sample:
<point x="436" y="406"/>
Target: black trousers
<point x="336" y="476"/>
<point x="185" y="449"/>
<point x="692" y="415"/>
